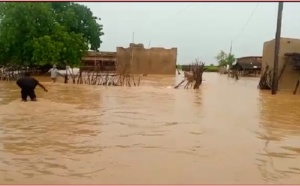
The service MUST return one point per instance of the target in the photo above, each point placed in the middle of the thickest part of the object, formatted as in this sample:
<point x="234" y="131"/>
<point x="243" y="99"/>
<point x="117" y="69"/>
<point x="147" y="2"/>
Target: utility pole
<point x="132" y="48"/>
<point x="277" y="47"/>
<point x="132" y="37"/>
<point x="230" y="50"/>
<point x="228" y="66"/>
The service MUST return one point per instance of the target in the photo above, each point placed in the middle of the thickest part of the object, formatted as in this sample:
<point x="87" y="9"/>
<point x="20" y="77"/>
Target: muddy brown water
<point x="227" y="132"/>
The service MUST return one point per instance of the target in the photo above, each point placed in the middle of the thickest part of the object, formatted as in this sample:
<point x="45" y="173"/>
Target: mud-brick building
<point x="288" y="63"/>
<point x="248" y="66"/>
<point x="138" y="60"/>
<point x="134" y="60"/>
<point x="99" y="61"/>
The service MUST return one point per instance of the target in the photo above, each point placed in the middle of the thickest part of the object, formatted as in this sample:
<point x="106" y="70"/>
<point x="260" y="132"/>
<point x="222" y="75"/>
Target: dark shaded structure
<point x="101" y="68"/>
<point x="294" y="59"/>
<point x="248" y="66"/>
<point x="99" y="61"/>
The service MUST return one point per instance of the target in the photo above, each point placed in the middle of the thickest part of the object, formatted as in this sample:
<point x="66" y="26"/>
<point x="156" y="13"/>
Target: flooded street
<point x="227" y="132"/>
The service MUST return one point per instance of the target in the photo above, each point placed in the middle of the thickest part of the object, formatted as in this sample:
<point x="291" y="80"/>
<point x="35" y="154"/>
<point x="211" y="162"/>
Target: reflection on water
<point x="280" y="129"/>
<point x="224" y="133"/>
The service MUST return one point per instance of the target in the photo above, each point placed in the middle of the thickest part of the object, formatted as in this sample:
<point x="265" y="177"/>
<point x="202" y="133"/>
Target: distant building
<point x="248" y="66"/>
<point x="99" y="61"/>
<point x="134" y="60"/>
<point x="138" y="60"/>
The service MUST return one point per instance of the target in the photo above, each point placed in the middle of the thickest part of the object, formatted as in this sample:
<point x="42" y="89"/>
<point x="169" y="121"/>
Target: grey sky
<point x="198" y="30"/>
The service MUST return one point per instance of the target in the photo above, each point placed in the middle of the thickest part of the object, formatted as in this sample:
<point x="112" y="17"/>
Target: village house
<point x="99" y="61"/>
<point x="248" y="66"/>
<point x="288" y="62"/>
<point x="134" y="60"/>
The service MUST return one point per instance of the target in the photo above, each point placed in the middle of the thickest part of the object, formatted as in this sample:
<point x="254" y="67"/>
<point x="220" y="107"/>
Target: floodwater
<point x="227" y="132"/>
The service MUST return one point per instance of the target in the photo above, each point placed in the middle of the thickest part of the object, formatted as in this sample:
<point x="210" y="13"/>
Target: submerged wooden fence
<point x="93" y="77"/>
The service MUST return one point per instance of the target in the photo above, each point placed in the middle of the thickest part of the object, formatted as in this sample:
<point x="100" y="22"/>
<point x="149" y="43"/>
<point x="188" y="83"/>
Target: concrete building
<point x="288" y="76"/>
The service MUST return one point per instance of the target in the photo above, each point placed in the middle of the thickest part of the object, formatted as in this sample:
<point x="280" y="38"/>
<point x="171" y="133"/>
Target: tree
<point x="60" y="46"/>
<point x="17" y="32"/>
<point x="221" y="57"/>
<point x="46" y="33"/>
<point x="225" y="59"/>
<point x="79" y="19"/>
<point x="230" y="59"/>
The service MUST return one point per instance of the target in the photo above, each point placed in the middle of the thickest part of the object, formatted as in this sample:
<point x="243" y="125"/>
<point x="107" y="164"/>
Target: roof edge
<point x="249" y="57"/>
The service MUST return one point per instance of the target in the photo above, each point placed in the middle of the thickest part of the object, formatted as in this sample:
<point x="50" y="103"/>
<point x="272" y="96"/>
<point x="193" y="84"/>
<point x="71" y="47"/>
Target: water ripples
<point x="227" y="132"/>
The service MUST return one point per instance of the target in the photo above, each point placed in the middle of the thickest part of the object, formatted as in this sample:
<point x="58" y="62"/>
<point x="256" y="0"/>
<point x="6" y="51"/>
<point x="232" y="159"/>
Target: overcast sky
<point x="198" y="30"/>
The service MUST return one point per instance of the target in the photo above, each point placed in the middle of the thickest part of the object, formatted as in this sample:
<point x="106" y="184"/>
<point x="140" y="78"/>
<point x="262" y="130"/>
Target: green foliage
<point x="46" y="50"/>
<point x="230" y="59"/>
<point x="211" y="68"/>
<point x="221" y="57"/>
<point x="225" y="59"/>
<point x="79" y="19"/>
<point x="47" y="33"/>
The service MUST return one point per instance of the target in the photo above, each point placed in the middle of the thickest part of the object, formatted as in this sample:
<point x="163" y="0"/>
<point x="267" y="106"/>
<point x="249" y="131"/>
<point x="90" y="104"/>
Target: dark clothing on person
<point x="27" y="85"/>
<point x="26" y="93"/>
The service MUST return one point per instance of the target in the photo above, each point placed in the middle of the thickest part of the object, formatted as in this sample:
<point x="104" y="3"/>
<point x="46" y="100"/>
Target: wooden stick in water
<point x="296" y="88"/>
<point x="180" y="83"/>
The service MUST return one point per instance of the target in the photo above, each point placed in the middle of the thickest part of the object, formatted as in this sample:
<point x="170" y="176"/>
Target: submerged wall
<point x="146" y="61"/>
<point x="289" y="76"/>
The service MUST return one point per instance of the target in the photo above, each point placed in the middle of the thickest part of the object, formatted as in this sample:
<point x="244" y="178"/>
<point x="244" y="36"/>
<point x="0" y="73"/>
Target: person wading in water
<point x="27" y="85"/>
<point x="54" y="73"/>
